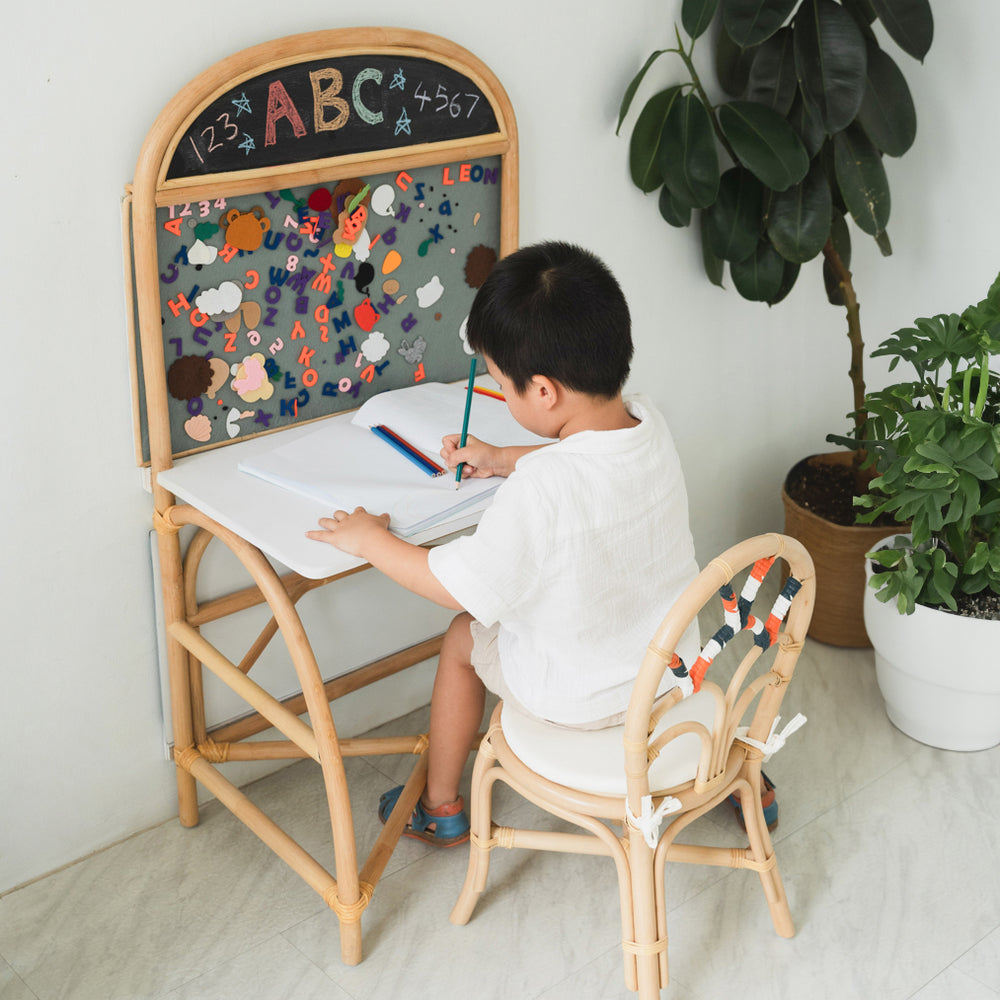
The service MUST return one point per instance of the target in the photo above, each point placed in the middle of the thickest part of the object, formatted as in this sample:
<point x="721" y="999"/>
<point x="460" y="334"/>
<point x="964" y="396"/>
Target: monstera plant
<point x="770" y="174"/>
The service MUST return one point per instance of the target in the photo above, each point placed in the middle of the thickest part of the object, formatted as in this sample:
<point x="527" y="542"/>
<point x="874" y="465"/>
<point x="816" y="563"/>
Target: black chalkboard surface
<point x="332" y="107"/>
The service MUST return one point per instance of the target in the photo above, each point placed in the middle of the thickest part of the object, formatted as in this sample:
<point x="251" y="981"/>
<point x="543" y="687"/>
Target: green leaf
<point x="978" y="560"/>
<point x="644" y="147"/>
<point x="887" y="114"/>
<point x="807" y="125"/>
<point x="696" y="15"/>
<point x="939" y="580"/>
<point x="788" y="278"/>
<point x="826" y="156"/>
<point x="749" y="22"/>
<point x="634" y="86"/>
<point x="886" y="557"/>
<point x="772" y="75"/>
<point x="673" y="211"/>
<point x="861" y="10"/>
<point x="732" y="64"/>
<point x="861" y="179"/>
<point x="934" y="452"/>
<point x="830" y="60"/>
<point x="909" y="23"/>
<point x="978" y="468"/>
<point x="799" y="222"/>
<point x="714" y="266"/>
<point x="764" y="143"/>
<point x="988" y="509"/>
<point x="732" y="225"/>
<point x="689" y="161"/>
<point x="758" y="277"/>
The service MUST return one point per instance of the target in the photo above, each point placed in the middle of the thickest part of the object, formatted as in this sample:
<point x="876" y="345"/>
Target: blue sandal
<point x="449" y="822"/>
<point x="768" y="800"/>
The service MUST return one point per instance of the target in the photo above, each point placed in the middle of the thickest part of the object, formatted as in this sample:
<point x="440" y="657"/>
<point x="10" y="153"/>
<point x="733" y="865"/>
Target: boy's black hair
<point x="554" y="309"/>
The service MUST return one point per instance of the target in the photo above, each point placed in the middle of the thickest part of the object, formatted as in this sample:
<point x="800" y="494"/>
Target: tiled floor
<point x="889" y="850"/>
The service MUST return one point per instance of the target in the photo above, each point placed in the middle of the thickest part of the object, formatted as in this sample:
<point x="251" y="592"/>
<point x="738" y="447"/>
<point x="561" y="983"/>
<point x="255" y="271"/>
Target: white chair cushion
<point x="593" y="760"/>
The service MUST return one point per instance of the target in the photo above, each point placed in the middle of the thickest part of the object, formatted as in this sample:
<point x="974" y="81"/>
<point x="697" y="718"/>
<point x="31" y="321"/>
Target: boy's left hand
<point x="350" y="533"/>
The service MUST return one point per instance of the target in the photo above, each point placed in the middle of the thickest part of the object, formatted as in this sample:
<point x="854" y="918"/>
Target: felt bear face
<point x="245" y="230"/>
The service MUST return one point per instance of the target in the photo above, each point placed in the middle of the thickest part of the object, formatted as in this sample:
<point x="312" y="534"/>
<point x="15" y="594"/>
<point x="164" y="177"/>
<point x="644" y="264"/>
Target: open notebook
<point x="344" y="465"/>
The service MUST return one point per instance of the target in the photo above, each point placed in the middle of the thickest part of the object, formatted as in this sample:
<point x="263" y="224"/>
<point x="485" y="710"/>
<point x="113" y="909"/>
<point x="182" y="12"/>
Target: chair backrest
<point x="780" y="630"/>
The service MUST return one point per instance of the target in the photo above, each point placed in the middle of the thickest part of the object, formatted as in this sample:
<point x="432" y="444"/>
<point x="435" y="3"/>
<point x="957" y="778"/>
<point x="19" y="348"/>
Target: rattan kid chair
<point x="674" y="757"/>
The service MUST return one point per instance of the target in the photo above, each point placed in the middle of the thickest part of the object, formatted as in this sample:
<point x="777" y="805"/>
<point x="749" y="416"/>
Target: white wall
<point x="747" y="390"/>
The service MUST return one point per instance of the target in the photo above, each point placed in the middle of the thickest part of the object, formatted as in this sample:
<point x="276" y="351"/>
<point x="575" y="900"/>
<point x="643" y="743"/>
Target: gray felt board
<point x="290" y="305"/>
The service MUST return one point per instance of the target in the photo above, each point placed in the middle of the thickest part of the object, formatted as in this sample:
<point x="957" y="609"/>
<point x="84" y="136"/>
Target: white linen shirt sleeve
<point x="496" y="569"/>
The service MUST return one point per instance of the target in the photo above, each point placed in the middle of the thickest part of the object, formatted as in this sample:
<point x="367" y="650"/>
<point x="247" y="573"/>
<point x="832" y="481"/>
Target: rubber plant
<point x="771" y="174"/>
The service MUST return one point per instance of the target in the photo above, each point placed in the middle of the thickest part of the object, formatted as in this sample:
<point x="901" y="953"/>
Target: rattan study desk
<point x="264" y="525"/>
<point x="283" y="201"/>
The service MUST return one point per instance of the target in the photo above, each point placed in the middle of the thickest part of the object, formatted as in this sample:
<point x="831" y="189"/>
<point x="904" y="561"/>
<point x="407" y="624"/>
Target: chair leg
<point x="660" y="897"/>
<point x="647" y="946"/>
<point x="481" y="831"/>
<point x="777" y="903"/>
<point x="762" y="852"/>
<point x="627" y="906"/>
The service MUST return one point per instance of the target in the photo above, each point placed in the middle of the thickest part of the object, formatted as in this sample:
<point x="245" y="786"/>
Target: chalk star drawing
<point x="242" y="104"/>
<point x="403" y="123"/>
<point x="247" y="144"/>
<point x="398" y="80"/>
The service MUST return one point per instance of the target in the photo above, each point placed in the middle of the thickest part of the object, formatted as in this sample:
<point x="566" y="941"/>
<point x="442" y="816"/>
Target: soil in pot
<point x="985" y="604"/>
<point x="819" y="512"/>
<point x="828" y="490"/>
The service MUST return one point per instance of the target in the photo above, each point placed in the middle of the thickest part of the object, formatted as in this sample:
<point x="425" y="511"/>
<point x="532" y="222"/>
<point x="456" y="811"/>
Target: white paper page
<point x="347" y="465"/>
<point x="423" y="414"/>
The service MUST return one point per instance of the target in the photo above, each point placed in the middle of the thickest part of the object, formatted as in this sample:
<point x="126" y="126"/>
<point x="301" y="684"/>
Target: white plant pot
<point x="939" y="673"/>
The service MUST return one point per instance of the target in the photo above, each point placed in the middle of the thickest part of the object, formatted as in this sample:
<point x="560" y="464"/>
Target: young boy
<point x="585" y="546"/>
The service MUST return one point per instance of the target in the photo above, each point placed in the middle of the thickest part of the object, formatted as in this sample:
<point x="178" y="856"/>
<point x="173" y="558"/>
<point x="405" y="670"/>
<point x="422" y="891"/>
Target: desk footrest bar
<point x="221" y="752"/>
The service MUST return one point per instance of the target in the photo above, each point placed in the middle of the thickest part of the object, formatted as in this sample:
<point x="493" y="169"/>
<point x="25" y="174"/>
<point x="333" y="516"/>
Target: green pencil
<point x="465" y="419"/>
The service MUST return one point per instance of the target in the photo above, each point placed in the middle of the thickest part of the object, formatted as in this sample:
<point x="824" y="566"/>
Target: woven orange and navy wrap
<point x="737" y="617"/>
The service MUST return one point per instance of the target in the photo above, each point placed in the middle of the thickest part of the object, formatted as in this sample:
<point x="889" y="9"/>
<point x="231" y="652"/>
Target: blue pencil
<point x="407" y="451"/>
<point x="465" y="419"/>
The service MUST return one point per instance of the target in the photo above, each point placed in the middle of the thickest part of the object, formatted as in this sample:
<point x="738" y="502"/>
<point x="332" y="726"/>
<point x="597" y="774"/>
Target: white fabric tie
<point x="648" y="824"/>
<point x="775" y="741"/>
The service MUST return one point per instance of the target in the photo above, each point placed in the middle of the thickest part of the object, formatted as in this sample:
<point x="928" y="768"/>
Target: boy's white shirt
<point x="583" y="551"/>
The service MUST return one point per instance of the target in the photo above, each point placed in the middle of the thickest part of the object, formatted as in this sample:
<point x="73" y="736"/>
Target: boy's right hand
<point x="481" y="460"/>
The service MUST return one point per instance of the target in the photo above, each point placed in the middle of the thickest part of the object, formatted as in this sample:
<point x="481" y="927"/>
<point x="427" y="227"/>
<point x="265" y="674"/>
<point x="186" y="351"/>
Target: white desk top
<point x="273" y="519"/>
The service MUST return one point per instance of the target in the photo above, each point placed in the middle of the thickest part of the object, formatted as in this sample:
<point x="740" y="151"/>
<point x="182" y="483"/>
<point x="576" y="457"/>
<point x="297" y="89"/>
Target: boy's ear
<point x="546" y="390"/>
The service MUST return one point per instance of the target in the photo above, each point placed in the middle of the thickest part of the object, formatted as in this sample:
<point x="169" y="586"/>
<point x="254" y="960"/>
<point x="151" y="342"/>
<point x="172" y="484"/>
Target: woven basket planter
<point x="838" y="553"/>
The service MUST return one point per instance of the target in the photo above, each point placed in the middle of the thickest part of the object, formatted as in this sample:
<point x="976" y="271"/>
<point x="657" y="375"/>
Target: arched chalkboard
<point x="310" y="220"/>
<point x="333" y="107"/>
